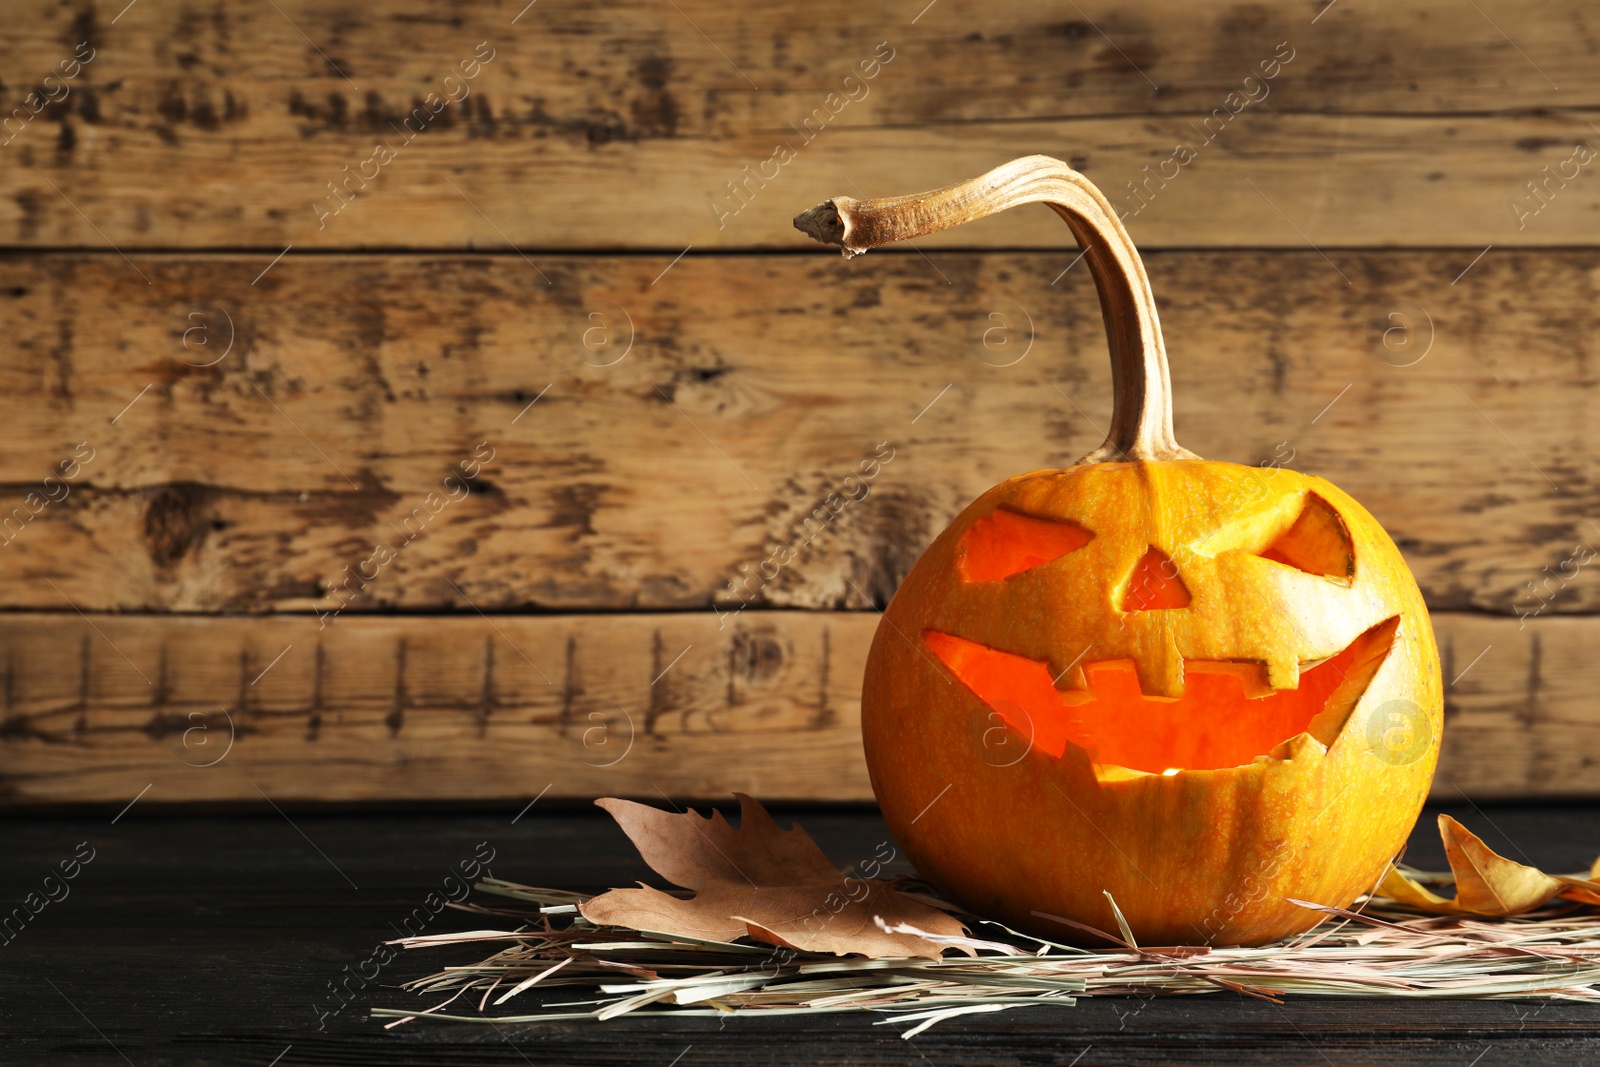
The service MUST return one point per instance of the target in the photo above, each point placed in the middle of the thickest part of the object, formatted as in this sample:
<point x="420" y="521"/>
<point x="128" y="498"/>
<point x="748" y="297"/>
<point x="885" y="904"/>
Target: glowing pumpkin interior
<point x="1226" y="716"/>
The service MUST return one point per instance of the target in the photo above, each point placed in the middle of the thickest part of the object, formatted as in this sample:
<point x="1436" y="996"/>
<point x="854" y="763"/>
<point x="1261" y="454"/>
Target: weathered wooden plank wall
<point x="356" y="383"/>
<point x="499" y="708"/>
<point x="1411" y="125"/>
<point x="1354" y="271"/>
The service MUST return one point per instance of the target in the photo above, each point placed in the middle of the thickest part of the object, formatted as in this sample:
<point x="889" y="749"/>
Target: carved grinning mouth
<point x="1213" y="724"/>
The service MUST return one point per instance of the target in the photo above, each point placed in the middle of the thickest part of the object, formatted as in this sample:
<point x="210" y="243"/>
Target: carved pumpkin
<point x="1202" y="688"/>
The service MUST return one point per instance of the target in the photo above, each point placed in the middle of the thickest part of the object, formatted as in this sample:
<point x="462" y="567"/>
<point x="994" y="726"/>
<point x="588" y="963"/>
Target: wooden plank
<point x="742" y="392"/>
<point x="470" y="707"/>
<point x="1530" y="724"/>
<point x="496" y="708"/>
<point x="121" y="948"/>
<point x="1401" y="124"/>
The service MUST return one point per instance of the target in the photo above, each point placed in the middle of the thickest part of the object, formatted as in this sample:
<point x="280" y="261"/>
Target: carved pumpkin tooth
<point x="1300" y="746"/>
<point x="1258" y="703"/>
<point x="1161" y="672"/>
<point x="1283" y="673"/>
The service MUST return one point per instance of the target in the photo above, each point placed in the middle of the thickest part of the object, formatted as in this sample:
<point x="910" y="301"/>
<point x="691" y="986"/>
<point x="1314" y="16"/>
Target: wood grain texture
<point x="441" y="708"/>
<point x="742" y="392"/>
<point x="1411" y="124"/>
<point x="193" y="940"/>
<point x="475" y="708"/>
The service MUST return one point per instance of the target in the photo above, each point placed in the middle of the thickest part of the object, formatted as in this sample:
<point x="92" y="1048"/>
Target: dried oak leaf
<point x="1487" y="883"/>
<point x="761" y="882"/>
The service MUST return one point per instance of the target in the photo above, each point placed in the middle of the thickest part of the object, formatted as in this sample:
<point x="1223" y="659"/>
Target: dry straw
<point x="566" y="968"/>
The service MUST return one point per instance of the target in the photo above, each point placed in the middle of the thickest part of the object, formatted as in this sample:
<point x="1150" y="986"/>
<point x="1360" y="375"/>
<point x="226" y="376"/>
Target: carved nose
<point x="1155" y="584"/>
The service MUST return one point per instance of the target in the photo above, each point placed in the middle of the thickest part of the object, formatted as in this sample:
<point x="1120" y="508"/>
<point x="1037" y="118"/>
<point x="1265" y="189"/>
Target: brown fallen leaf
<point x="1583" y="889"/>
<point x="762" y="882"/>
<point x="1487" y="883"/>
<point x="1586" y="890"/>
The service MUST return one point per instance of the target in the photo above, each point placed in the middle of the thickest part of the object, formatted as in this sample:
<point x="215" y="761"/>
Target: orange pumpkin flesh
<point x="1203" y="688"/>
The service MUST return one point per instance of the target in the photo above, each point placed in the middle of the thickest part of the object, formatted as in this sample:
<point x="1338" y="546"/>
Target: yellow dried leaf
<point x="1490" y="884"/>
<point x="1582" y="890"/>
<point x="1398" y="887"/>
<point x="1486" y="882"/>
<point x="762" y="882"/>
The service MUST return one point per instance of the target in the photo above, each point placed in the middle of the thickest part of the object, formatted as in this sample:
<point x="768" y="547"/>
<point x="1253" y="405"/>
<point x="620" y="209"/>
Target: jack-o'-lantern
<point x="1199" y="690"/>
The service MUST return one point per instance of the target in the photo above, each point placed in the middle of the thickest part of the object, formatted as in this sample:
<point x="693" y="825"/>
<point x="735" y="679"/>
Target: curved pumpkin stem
<point x="1141" y="417"/>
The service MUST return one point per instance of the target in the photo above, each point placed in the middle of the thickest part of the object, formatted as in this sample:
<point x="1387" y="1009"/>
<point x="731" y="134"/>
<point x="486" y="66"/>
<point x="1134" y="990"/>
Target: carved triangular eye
<point x="1007" y="542"/>
<point x="1317" y="543"/>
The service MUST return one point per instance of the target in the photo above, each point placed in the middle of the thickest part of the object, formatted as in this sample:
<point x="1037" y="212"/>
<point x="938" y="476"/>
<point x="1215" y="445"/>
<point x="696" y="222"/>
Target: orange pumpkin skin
<point x="1209" y="855"/>
<point x="1198" y="690"/>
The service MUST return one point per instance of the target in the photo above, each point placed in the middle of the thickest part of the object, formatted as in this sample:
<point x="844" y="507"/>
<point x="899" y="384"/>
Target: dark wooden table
<point x="209" y="939"/>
